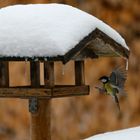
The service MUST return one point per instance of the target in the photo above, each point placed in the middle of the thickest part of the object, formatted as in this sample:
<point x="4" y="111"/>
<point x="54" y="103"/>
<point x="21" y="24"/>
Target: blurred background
<point x="76" y="118"/>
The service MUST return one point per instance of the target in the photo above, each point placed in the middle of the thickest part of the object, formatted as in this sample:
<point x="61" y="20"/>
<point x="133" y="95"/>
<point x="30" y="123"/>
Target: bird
<point x="114" y="84"/>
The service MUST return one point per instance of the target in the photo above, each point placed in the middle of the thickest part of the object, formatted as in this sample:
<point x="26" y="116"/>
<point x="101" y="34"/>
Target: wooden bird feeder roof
<point x="86" y="37"/>
<point x="96" y="44"/>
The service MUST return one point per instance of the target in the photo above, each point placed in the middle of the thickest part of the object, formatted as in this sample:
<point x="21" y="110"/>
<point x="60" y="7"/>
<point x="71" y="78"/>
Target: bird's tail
<point x="116" y="101"/>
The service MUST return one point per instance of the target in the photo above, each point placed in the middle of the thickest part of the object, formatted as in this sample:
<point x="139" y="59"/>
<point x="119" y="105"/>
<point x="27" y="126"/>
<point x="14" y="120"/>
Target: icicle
<point x="45" y="59"/>
<point x="26" y="59"/>
<point x="32" y="58"/>
<point x="63" y="69"/>
<point x="36" y="59"/>
<point x="126" y="64"/>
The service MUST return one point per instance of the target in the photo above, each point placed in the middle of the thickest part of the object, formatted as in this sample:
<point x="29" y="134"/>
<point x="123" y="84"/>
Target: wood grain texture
<point x="40" y="120"/>
<point x="88" y="42"/>
<point x="79" y="73"/>
<point x="25" y="93"/>
<point x="4" y="74"/>
<point x="69" y="91"/>
<point x="35" y="74"/>
<point x="49" y="74"/>
<point x="44" y="93"/>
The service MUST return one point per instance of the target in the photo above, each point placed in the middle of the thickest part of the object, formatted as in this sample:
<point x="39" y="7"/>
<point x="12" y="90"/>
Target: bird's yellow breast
<point x="108" y="88"/>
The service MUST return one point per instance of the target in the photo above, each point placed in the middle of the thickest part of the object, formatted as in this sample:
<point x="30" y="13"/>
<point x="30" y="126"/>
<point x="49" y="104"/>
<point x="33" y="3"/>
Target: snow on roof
<point x="46" y="29"/>
<point x="126" y="134"/>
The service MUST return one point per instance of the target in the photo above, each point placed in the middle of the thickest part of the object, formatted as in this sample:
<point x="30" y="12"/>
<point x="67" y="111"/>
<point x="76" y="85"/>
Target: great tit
<point x="113" y="84"/>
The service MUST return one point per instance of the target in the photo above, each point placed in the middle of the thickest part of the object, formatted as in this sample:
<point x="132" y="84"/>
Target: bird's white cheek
<point x="103" y="80"/>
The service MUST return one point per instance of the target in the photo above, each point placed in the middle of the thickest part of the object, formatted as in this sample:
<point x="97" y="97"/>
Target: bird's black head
<point x="104" y="79"/>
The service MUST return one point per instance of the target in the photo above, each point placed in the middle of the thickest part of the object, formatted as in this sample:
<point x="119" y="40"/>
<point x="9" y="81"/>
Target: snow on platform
<point x="46" y="29"/>
<point x="126" y="134"/>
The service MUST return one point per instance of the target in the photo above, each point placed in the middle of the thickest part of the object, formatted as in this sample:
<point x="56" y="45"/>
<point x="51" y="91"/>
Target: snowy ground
<point x="125" y="134"/>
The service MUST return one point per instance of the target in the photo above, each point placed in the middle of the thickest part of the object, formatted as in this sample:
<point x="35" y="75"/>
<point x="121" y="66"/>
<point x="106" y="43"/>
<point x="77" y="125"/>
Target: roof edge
<point x="116" y="47"/>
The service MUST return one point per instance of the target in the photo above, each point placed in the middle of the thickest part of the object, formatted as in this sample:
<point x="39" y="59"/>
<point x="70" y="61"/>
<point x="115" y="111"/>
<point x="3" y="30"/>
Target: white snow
<point x="46" y="29"/>
<point x="125" y="134"/>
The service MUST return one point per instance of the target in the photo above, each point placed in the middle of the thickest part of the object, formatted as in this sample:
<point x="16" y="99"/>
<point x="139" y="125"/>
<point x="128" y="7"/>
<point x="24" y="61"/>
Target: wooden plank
<point x="79" y="47"/>
<point x="49" y="74"/>
<point x="101" y="48"/>
<point x="85" y="43"/>
<point x="79" y="73"/>
<point x="85" y="53"/>
<point x="42" y="59"/>
<point x="35" y="74"/>
<point x="70" y="91"/>
<point x="118" y="48"/>
<point x="4" y="74"/>
<point x="25" y="93"/>
<point x="44" y="93"/>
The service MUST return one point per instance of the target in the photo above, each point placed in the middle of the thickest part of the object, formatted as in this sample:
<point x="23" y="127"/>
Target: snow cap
<point x="48" y="30"/>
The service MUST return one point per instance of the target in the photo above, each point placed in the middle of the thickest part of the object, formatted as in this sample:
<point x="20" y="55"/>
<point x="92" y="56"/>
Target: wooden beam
<point x="35" y="74"/>
<point x="117" y="48"/>
<point x="49" y="74"/>
<point x="79" y="73"/>
<point x="42" y="59"/>
<point x="70" y="91"/>
<point x="79" y="47"/>
<point x="4" y="74"/>
<point x="44" y="93"/>
<point x="25" y="93"/>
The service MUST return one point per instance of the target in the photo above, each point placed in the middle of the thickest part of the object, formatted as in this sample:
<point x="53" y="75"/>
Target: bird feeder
<point x="93" y="43"/>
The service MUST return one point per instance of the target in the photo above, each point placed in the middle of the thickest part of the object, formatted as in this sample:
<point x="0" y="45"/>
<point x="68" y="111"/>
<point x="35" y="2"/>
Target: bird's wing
<point x="118" y="78"/>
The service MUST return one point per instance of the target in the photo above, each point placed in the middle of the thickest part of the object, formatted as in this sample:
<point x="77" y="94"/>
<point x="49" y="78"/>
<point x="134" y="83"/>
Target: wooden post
<point x="4" y="74"/>
<point x="49" y="74"/>
<point x="40" y="120"/>
<point x="79" y="73"/>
